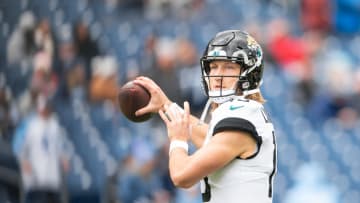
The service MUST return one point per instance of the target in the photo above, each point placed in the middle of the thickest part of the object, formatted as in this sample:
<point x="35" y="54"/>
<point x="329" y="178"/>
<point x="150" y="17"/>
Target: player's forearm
<point x="198" y="131"/>
<point x="178" y="161"/>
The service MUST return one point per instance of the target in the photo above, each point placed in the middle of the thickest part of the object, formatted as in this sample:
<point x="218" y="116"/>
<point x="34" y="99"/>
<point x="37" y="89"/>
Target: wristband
<point x="178" y="144"/>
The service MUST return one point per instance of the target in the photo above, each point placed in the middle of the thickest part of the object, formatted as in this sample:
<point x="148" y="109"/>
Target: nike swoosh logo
<point x="235" y="107"/>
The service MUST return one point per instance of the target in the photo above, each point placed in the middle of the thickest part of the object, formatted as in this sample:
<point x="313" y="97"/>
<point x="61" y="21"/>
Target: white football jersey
<point x="243" y="180"/>
<point x="43" y="148"/>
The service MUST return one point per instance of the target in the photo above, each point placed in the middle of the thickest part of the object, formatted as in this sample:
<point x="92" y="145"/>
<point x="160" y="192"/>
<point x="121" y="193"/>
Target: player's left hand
<point x="177" y="122"/>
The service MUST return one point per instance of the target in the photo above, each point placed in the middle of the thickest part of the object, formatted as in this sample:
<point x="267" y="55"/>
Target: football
<point x="131" y="98"/>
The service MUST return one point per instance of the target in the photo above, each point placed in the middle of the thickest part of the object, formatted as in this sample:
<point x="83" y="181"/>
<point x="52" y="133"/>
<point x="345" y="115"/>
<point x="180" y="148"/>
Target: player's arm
<point x="224" y="147"/>
<point x="198" y="131"/>
<point x="187" y="170"/>
<point x="25" y="164"/>
<point x="159" y="100"/>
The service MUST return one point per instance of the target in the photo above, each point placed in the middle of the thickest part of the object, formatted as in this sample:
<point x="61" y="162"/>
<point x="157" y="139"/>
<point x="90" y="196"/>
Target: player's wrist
<point x="171" y="104"/>
<point x="165" y="104"/>
<point x="178" y="144"/>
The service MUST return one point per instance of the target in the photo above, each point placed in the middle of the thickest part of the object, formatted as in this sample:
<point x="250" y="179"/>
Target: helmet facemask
<point x="222" y="95"/>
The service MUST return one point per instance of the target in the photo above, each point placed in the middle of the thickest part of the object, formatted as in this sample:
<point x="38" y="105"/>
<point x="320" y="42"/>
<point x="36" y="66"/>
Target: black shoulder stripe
<point x="239" y="124"/>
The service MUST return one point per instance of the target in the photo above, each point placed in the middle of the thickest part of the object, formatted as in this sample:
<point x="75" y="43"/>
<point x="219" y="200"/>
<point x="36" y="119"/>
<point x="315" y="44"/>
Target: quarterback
<point x="235" y="160"/>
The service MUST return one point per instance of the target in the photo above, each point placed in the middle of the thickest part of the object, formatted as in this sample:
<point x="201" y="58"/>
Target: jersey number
<point x="265" y="116"/>
<point x="271" y="177"/>
<point x="206" y="196"/>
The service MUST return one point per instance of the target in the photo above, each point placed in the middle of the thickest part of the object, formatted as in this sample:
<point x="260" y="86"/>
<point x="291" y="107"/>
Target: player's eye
<point x="213" y="67"/>
<point x="230" y="67"/>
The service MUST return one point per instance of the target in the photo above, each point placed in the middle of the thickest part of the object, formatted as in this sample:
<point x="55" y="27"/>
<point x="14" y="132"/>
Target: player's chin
<point x="218" y="88"/>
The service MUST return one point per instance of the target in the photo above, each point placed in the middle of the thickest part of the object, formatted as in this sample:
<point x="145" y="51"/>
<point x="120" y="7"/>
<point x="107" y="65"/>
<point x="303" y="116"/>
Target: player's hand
<point x="158" y="98"/>
<point x="177" y="122"/>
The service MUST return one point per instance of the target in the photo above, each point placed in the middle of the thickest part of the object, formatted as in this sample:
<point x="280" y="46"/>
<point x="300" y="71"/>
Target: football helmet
<point x="238" y="47"/>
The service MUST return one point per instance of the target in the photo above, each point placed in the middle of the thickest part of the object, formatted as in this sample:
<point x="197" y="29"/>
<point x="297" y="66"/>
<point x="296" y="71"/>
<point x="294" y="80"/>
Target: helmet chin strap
<point x="248" y="92"/>
<point x="222" y="96"/>
<point x="205" y="112"/>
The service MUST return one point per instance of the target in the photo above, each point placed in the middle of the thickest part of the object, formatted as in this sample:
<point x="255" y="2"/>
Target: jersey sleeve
<point x="243" y="116"/>
<point x="237" y="124"/>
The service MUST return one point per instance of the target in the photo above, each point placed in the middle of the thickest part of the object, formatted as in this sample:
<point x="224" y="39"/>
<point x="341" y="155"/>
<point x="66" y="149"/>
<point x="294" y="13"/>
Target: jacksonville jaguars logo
<point x="252" y="44"/>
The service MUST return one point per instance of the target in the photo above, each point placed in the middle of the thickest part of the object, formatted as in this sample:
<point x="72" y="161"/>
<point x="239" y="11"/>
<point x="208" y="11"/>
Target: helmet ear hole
<point x="245" y="85"/>
<point x="242" y="84"/>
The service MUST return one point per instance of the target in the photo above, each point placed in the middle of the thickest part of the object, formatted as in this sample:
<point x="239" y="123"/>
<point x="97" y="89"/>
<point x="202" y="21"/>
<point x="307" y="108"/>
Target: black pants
<point x="40" y="196"/>
<point x="9" y="174"/>
<point x="9" y="194"/>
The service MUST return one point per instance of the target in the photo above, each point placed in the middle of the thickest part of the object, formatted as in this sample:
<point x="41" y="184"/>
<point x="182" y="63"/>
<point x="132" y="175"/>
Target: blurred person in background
<point x="104" y="84"/>
<point x="236" y="152"/>
<point x="42" y="156"/>
<point x="288" y="52"/>
<point x="21" y="45"/>
<point x="44" y="80"/>
<point x="44" y="39"/>
<point x="85" y="47"/>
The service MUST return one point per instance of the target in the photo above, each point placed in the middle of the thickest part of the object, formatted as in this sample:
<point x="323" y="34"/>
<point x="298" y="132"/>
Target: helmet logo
<point x="254" y="46"/>
<point x="217" y="52"/>
<point x="251" y="41"/>
<point x="245" y="85"/>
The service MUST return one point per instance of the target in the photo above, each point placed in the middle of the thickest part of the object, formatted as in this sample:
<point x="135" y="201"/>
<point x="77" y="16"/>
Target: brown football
<point x="131" y="98"/>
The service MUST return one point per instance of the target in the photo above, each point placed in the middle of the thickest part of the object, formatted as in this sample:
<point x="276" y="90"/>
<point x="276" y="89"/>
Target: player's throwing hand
<point x="158" y="98"/>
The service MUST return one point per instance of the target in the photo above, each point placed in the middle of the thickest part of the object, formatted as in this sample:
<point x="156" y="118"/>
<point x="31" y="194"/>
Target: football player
<point x="236" y="151"/>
